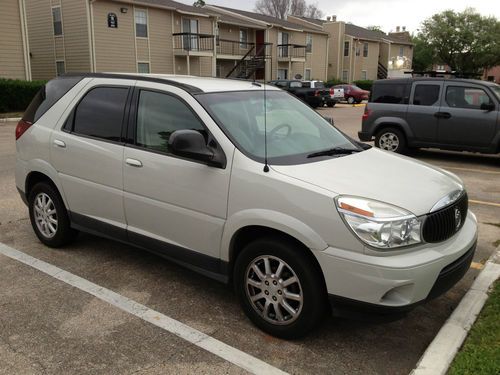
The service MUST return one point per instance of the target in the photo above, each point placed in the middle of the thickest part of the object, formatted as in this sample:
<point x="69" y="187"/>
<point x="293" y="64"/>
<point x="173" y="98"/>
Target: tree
<point x="282" y="8"/>
<point x="199" y="3"/>
<point x="467" y="41"/>
<point x="423" y="54"/>
<point x="375" y="28"/>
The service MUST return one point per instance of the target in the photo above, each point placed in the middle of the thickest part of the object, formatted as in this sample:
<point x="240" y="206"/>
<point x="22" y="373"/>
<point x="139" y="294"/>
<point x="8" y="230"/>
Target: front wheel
<point x="279" y="288"/>
<point x="350" y="100"/>
<point x="391" y="139"/>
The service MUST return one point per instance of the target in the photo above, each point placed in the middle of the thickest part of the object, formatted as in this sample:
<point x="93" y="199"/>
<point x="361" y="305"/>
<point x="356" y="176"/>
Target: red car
<point x="353" y="94"/>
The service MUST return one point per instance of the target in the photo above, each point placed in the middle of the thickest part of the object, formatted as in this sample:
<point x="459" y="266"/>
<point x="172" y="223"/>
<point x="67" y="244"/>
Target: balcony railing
<point x="193" y="42"/>
<point x="237" y="48"/>
<point x="294" y="51"/>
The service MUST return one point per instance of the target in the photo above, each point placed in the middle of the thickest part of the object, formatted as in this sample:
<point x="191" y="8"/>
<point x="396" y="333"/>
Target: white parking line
<point x="200" y="339"/>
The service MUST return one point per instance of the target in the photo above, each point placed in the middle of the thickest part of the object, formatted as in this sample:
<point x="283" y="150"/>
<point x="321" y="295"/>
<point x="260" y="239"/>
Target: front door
<point x="260" y="51"/>
<point x="461" y="119"/>
<point x="282" y="44"/>
<point x="173" y="205"/>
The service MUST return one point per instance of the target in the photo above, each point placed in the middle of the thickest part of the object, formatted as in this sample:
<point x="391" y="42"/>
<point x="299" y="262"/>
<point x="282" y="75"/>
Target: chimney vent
<point x="398" y="29"/>
<point x="328" y="18"/>
<point x="404" y="28"/>
<point x="334" y="18"/>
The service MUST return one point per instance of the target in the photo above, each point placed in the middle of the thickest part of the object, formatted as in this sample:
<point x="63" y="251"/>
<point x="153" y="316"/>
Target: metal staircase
<point x="381" y="71"/>
<point x="249" y="64"/>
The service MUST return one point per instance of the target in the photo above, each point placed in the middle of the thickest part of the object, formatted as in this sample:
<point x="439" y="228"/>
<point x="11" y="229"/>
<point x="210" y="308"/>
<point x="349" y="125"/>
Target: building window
<point x="365" y="49"/>
<point x="141" y="24"/>
<point x="309" y="43"/>
<point x="143" y="67"/>
<point x="60" y="68"/>
<point x="243" y="38"/>
<point x="283" y="39"/>
<point x="346" y="49"/>
<point x="191" y="38"/>
<point x="57" y="21"/>
<point x="282" y="73"/>
<point x="401" y="51"/>
<point x="358" y="51"/>
<point x="307" y="75"/>
<point x="345" y="76"/>
<point x="364" y="75"/>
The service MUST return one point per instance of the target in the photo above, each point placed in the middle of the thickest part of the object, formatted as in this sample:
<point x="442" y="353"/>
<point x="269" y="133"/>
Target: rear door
<point x="461" y="119"/>
<point x="87" y="153"/>
<point x="424" y="103"/>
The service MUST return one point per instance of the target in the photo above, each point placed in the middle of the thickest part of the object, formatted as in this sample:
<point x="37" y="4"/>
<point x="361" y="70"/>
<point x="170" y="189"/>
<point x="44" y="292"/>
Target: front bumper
<point x="364" y="136"/>
<point x="398" y="282"/>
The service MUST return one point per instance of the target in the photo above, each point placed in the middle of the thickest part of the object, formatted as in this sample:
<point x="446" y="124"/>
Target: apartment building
<point x="14" y="59"/>
<point x="356" y="53"/>
<point x="164" y="36"/>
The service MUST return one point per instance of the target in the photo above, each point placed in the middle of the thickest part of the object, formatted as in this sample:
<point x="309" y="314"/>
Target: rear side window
<point x="426" y="95"/>
<point x="297" y="84"/>
<point x="48" y="95"/>
<point x="466" y="97"/>
<point x="389" y="93"/>
<point x="100" y="113"/>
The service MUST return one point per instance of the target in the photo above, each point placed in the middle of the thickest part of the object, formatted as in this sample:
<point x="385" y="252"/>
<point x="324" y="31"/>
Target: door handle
<point x="442" y="114"/>
<point x="59" y="143"/>
<point x="133" y="162"/>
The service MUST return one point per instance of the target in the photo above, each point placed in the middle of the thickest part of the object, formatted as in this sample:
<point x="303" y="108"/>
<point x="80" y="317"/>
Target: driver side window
<point x="158" y="116"/>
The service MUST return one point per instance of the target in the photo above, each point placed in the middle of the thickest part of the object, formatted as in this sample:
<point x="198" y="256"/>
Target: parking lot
<point x="48" y="326"/>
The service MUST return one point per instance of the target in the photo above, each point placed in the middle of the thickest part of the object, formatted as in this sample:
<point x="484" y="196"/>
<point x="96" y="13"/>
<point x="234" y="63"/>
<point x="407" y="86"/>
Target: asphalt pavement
<point x="49" y="326"/>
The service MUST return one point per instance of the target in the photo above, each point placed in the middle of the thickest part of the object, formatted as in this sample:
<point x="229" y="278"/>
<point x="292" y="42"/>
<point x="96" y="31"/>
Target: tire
<point x="52" y="229"/>
<point x="331" y="104"/>
<point x="309" y="286"/>
<point x="391" y="139"/>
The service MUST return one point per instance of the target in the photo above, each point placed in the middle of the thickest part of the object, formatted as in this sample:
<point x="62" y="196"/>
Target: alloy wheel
<point x="45" y="215"/>
<point x="389" y="142"/>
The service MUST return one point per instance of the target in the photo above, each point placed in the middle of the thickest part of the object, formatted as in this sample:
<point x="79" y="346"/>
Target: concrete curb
<point x="10" y="119"/>
<point x="443" y="349"/>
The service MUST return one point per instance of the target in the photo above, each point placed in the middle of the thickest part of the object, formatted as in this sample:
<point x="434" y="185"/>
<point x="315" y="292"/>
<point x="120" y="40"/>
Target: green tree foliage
<point x="423" y="54"/>
<point x="466" y="41"/>
<point x="199" y="3"/>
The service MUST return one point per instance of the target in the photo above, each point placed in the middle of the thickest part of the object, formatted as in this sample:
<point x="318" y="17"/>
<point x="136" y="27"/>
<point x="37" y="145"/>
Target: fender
<point x="271" y="219"/>
<point x="396" y="122"/>
<point x="42" y="166"/>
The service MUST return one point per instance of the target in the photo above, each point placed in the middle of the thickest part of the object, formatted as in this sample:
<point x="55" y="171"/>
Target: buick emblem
<point x="458" y="218"/>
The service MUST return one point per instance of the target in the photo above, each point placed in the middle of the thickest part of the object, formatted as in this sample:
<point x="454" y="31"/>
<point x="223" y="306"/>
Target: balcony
<point x="193" y="44"/>
<point x="235" y="50"/>
<point x="292" y="52"/>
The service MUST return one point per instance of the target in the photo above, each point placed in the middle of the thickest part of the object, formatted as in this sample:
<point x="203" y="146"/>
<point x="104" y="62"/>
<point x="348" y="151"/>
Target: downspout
<point x="90" y="26"/>
<point x="215" y="27"/>
<point x="327" y="53"/>
<point x="24" y="34"/>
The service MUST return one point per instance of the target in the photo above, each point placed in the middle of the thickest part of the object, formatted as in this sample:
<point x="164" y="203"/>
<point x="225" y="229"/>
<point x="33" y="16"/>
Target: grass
<point x="11" y="114"/>
<point x="480" y="354"/>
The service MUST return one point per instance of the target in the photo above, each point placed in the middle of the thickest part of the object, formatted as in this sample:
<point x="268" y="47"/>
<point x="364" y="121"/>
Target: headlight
<point x="379" y="224"/>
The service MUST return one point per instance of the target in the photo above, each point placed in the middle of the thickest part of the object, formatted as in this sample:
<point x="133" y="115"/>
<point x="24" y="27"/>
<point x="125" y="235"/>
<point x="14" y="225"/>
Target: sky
<point x="384" y="13"/>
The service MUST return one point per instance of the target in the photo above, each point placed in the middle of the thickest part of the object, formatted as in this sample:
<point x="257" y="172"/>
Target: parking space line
<point x="485" y="203"/>
<point x="195" y="337"/>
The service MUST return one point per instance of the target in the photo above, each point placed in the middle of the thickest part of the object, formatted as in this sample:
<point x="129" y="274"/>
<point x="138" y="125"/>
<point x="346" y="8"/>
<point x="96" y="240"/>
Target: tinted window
<point x="141" y="24"/>
<point x="466" y="97"/>
<point x="57" y="21"/>
<point x="158" y="116"/>
<point x="100" y="113"/>
<point x="426" y="95"/>
<point x="297" y="84"/>
<point x="305" y="84"/>
<point x="48" y="96"/>
<point x="389" y="93"/>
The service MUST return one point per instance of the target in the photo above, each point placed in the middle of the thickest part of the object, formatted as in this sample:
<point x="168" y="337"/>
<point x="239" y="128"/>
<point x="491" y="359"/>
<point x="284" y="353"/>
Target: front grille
<point x="442" y="224"/>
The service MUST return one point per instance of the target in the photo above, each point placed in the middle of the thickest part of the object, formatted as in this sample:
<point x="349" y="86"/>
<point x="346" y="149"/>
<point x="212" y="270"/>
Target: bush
<point x="333" y="81"/>
<point x="364" y="84"/>
<point x="15" y="95"/>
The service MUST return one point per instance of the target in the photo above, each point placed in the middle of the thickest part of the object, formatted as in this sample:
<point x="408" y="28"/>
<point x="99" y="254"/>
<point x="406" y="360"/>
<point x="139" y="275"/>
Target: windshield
<point x="294" y="130"/>
<point x="319" y="85"/>
<point x="496" y="90"/>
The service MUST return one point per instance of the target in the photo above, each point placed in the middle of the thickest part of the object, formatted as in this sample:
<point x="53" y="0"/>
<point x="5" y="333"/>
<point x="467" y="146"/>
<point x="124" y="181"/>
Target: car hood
<point x="379" y="175"/>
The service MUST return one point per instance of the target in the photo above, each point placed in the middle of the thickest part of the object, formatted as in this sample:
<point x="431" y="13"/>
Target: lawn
<point x="480" y="354"/>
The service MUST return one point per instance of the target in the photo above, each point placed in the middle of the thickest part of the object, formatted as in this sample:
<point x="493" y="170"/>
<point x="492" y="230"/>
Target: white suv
<point x="245" y="184"/>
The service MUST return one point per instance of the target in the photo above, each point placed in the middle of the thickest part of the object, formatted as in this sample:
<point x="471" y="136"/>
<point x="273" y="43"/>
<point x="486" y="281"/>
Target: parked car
<point x="267" y="196"/>
<point x="354" y="94"/>
<point x="451" y="114"/>
<point x="315" y="97"/>
<point x="335" y="93"/>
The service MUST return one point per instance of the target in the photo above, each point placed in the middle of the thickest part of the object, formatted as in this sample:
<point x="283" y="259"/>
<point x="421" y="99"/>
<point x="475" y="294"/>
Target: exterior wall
<point x="493" y="72"/>
<point x="160" y="41"/>
<point x="317" y="60"/>
<point x="76" y="38"/>
<point x="368" y="64"/>
<point x="272" y="64"/>
<point x="13" y="58"/>
<point x="398" y="63"/>
<point x="336" y="48"/>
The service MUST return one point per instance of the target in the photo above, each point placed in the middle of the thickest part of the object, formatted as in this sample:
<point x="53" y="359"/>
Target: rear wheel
<point x="279" y="288"/>
<point x="350" y="100"/>
<point x="391" y="139"/>
<point x="48" y="216"/>
<point x="331" y="104"/>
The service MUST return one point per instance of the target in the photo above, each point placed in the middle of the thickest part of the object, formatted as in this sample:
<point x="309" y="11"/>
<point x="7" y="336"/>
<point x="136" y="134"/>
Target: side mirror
<point x="191" y="144"/>
<point x="329" y="119"/>
<point x="487" y="107"/>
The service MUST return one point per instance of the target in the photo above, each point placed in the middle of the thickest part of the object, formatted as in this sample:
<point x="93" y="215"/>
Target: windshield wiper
<point x="334" y="151"/>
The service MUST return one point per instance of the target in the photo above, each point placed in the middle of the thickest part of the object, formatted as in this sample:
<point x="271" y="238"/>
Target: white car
<point x="335" y="93"/>
<point x="247" y="186"/>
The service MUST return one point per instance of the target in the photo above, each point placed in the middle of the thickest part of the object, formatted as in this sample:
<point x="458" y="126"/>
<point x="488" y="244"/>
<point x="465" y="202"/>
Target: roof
<point x="192" y="84"/>
<point x="408" y="80"/>
<point x="267" y="19"/>
<point x="169" y="4"/>
<point x="225" y="18"/>
<point x="362" y="33"/>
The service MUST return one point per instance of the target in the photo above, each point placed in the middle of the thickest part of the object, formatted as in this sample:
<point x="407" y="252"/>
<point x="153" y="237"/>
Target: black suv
<point x="451" y="114"/>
